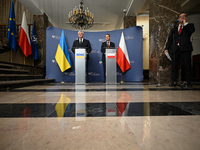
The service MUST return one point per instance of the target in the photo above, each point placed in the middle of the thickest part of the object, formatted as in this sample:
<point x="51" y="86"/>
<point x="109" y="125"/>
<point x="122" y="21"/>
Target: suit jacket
<point x="85" y="44"/>
<point x="104" y="47"/>
<point x="185" y="43"/>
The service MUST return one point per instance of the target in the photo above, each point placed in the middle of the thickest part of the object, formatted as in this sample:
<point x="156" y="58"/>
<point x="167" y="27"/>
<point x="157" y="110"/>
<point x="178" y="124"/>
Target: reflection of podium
<point x="80" y="65"/>
<point x="111" y="76"/>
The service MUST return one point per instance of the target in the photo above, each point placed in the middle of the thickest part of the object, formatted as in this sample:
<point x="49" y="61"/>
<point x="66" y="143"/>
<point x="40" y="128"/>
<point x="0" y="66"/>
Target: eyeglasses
<point x="182" y="16"/>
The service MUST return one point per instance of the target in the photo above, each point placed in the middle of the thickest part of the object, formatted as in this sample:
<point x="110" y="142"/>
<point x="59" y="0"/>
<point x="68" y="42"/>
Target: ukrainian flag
<point x="11" y="34"/>
<point x="62" y="55"/>
<point x="79" y="55"/>
<point x="63" y="106"/>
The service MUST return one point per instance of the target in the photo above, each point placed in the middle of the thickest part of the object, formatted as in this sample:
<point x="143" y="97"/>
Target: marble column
<point x="41" y="22"/>
<point x="129" y="21"/>
<point x="161" y="14"/>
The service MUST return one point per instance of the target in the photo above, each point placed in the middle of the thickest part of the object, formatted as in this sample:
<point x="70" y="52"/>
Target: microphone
<point x="176" y="21"/>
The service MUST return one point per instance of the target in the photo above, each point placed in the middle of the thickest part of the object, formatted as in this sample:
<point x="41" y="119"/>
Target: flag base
<point x="63" y="82"/>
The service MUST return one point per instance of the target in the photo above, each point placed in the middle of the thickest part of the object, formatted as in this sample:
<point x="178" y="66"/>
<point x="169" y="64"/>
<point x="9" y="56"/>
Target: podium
<point x="111" y="71"/>
<point x="80" y="65"/>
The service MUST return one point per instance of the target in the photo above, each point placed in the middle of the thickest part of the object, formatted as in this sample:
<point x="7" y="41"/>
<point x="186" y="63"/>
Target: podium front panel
<point x="80" y="66"/>
<point x="111" y="72"/>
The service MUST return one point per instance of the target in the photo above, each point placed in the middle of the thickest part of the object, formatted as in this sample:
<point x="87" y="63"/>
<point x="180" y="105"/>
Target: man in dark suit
<point x="183" y="49"/>
<point x="104" y="46"/>
<point x="82" y="43"/>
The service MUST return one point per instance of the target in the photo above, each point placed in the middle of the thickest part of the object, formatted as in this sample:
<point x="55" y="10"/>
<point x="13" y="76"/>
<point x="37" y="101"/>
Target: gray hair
<point x="81" y="31"/>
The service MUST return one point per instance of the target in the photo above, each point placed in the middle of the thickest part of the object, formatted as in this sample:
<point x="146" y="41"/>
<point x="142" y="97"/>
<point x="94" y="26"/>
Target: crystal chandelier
<point x="80" y="18"/>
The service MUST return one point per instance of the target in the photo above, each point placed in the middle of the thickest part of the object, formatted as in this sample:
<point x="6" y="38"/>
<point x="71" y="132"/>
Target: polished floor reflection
<point x="98" y="116"/>
<point x="62" y="109"/>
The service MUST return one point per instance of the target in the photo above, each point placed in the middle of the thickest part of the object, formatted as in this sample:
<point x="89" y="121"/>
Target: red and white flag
<point x="122" y="55"/>
<point x="24" y="40"/>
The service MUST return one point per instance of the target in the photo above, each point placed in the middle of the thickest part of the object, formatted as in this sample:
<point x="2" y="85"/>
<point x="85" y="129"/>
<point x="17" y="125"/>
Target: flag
<point x="63" y="106"/>
<point x="62" y="54"/>
<point x="24" y="40"/>
<point x="122" y="103"/>
<point x="122" y="55"/>
<point x="34" y="42"/>
<point x="11" y="35"/>
<point x="26" y="112"/>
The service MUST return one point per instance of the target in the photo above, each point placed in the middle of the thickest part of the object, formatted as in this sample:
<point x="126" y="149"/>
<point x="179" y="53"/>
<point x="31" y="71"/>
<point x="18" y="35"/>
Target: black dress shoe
<point x="173" y="84"/>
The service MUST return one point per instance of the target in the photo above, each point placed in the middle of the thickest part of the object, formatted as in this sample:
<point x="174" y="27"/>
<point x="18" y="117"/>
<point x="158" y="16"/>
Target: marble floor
<point x="129" y="116"/>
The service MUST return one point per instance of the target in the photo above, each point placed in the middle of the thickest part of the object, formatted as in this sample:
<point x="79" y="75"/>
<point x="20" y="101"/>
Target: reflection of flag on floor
<point x="11" y="35"/>
<point x="26" y="112"/>
<point x="122" y="103"/>
<point x="62" y="55"/>
<point x="122" y="55"/>
<point x="24" y="40"/>
<point x="62" y="105"/>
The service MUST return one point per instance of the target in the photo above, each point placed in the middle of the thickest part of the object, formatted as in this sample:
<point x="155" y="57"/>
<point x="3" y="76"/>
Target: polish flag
<point x="24" y="40"/>
<point x="122" y="55"/>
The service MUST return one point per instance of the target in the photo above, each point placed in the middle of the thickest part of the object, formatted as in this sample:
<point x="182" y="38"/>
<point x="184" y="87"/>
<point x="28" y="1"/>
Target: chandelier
<point x="80" y="18"/>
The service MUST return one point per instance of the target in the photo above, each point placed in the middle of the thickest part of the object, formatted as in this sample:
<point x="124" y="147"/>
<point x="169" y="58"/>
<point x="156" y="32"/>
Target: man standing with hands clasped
<point x="82" y="43"/>
<point x="183" y="49"/>
<point x="106" y="45"/>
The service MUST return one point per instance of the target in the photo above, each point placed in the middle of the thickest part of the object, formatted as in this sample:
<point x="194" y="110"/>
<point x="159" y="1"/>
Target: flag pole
<point x="11" y="55"/>
<point x="62" y="56"/>
<point x="24" y="60"/>
<point x="122" y="81"/>
<point x="63" y="80"/>
<point x="33" y="64"/>
<point x="122" y="56"/>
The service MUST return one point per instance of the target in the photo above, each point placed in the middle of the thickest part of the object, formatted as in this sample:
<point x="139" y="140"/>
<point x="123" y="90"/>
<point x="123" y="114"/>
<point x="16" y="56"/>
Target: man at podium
<point x="106" y="45"/>
<point x="82" y="43"/>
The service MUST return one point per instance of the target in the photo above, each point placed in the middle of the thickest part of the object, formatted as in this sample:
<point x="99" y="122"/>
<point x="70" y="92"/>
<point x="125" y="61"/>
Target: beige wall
<point x="144" y="22"/>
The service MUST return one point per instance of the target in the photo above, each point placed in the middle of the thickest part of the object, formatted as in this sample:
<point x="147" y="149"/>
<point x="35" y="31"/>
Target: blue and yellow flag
<point x="62" y="55"/>
<point x="11" y="35"/>
<point x="63" y="106"/>
<point x="34" y="42"/>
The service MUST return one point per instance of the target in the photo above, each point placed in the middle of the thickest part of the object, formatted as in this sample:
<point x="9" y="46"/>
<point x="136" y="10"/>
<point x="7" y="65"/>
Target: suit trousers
<point x="185" y="56"/>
